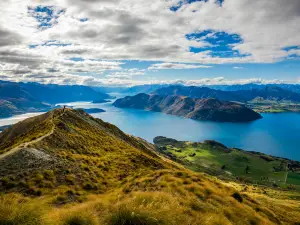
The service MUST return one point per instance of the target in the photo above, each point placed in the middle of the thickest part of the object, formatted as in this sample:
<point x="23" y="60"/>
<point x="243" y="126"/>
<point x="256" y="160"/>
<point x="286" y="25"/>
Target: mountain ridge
<point x="69" y="161"/>
<point x="243" y="95"/>
<point x="18" y="98"/>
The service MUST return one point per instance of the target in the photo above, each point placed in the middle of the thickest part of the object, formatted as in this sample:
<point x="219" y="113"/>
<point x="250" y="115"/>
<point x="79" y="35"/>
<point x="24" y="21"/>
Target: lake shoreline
<point x="275" y="134"/>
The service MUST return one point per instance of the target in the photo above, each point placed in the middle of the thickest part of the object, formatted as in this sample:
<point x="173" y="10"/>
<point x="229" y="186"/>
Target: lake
<point x="275" y="134"/>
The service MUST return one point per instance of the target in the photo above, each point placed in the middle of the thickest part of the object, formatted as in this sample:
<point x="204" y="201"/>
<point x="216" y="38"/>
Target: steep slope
<point x="63" y="137"/>
<point x="67" y="156"/>
<point x="199" y="109"/>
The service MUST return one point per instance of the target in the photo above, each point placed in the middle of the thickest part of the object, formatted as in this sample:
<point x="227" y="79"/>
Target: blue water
<point x="275" y="134"/>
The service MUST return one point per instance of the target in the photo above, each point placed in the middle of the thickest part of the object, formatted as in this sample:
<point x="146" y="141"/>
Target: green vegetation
<point x="84" y="171"/>
<point x="273" y="106"/>
<point x="293" y="178"/>
<point x="216" y="159"/>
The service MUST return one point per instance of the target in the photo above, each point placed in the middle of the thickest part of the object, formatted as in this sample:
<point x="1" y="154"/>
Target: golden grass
<point x="19" y="211"/>
<point x="103" y="179"/>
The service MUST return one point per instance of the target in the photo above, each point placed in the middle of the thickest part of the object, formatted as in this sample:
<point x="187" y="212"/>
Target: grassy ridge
<point x="88" y="172"/>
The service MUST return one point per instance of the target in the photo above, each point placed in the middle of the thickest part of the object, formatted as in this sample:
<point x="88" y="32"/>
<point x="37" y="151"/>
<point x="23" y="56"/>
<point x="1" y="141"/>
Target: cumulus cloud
<point x="102" y="32"/>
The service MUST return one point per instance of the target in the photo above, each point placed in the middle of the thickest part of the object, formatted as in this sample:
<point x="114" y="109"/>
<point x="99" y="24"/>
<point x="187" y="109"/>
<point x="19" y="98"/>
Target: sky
<point x="131" y="42"/>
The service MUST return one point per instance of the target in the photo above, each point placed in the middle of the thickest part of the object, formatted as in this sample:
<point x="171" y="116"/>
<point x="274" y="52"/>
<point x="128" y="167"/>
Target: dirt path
<point x="26" y="144"/>
<point x="286" y="175"/>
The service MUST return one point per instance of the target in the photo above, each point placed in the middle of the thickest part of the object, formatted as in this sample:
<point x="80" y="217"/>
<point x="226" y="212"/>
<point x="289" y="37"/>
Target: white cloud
<point x="238" y="67"/>
<point x="177" y="66"/>
<point x="127" y="73"/>
<point x="138" y="30"/>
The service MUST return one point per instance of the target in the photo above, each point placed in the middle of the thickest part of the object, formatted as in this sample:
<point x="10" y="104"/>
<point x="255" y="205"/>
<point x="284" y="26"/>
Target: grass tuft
<point x="80" y="218"/>
<point x="18" y="212"/>
<point x="237" y="196"/>
<point x="126" y="216"/>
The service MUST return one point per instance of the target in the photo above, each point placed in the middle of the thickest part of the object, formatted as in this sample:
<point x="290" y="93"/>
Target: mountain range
<point x="66" y="167"/>
<point x="199" y="109"/>
<point x="16" y="98"/>
<point x="267" y="93"/>
<point x="239" y="87"/>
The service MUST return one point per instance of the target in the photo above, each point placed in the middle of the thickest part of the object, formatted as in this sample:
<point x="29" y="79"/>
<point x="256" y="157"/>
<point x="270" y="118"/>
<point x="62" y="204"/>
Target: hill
<point x="239" y="94"/>
<point x="198" y="109"/>
<point x="66" y="167"/>
<point x="231" y="163"/>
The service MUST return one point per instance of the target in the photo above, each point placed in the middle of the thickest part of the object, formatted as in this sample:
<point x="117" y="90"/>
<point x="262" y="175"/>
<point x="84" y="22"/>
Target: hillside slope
<point x="101" y="175"/>
<point x="198" y="109"/>
<point x="231" y="163"/>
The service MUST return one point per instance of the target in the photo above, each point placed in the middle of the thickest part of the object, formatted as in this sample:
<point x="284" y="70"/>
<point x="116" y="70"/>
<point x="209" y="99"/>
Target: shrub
<point x="126" y="216"/>
<point x="70" y="178"/>
<point x="39" y="177"/>
<point x="80" y="218"/>
<point x="14" y="212"/>
<point x="49" y="175"/>
<point x="237" y="196"/>
<point x="34" y="191"/>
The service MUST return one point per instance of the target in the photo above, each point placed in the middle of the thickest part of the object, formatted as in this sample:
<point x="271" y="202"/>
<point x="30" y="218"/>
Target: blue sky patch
<point x="219" y="43"/>
<point x="83" y="19"/>
<point x="183" y="2"/>
<point x="289" y="48"/>
<point x="77" y="59"/>
<point x="174" y="8"/>
<point x="220" y="2"/>
<point x="49" y="43"/>
<point x="45" y="15"/>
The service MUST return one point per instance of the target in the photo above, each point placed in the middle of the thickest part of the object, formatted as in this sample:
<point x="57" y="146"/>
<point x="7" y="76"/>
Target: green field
<point x="293" y="178"/>
<point x="231" y="163"/>
<point x="269" y="106"/>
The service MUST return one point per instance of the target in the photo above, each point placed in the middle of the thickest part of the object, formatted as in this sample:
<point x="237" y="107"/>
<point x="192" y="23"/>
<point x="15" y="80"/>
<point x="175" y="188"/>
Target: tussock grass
<point x="15" y="211"/>
<point x="128" y="216"/>
<point x="103" y="178"/>
<point x="80" y="218"/>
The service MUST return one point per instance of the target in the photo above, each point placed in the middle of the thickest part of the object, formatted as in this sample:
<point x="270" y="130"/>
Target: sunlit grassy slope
<point x="89" y="172"/>
<point x="219" y="160"/>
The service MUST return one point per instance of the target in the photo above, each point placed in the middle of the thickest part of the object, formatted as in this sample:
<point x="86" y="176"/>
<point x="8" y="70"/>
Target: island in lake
<point x="199" y="109"/>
